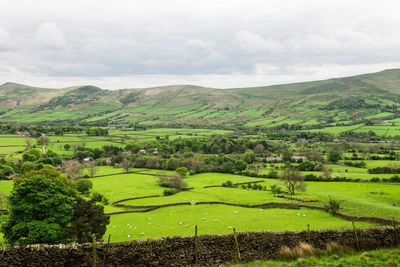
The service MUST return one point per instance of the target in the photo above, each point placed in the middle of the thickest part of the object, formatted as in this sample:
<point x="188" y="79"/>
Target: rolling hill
<point x="339" y="101"/>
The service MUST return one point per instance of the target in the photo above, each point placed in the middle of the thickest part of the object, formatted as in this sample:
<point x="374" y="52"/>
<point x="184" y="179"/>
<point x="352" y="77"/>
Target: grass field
<point x="383" y="257"/>
<point x="356" y="199"/>
<point x="10" y="144"/>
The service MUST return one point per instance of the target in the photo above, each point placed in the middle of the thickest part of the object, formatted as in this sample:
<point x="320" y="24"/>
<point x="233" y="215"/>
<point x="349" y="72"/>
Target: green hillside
<point x="334" y="102"/>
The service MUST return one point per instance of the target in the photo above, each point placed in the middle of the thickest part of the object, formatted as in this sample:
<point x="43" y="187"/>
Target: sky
<point x="214" y="43"/>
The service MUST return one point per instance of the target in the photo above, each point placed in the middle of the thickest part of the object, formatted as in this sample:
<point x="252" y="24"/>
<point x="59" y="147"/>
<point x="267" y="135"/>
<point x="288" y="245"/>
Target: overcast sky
<point x="228" y="43"/>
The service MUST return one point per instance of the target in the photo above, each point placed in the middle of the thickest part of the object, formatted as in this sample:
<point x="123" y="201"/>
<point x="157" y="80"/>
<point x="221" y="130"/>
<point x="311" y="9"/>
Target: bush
<point x="333" y="205"/>
<point x="84" y="185"/>
<point x="175" y="181"/>
<point x="375" y="180"/>
<point x="170" y="191"/>
<point x="182" y="171"/>
<point x="97" y="197"/>
<point x="227" y="184"/>
<point x="105" y="201"/>
<point x="276" y="189"/>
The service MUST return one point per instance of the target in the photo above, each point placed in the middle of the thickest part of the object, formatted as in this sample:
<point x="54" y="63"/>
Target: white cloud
<point x="254" y="43"/>
<point x="5" y="40"/>
<point x="49" y="35"/>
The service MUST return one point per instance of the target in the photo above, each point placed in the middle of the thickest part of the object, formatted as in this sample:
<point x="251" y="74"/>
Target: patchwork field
<point x="15" y="144"/>
<point x="360" y="199"/>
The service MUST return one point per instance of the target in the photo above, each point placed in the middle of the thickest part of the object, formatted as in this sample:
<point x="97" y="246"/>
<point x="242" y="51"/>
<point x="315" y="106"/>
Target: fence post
<point x="94" y="250"/>
<point x="195" y="246"/>
<point x="106" y="254"/>
<point x="237" y="244"/>
<point x="355" y="235"/>
<point x="395" y="232"/>
<point x="308" y="234"/>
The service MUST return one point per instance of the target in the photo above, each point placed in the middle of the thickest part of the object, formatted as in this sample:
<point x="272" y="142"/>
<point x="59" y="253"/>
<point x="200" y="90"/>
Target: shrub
<point x="227" y="184"/>
<point x="105" y="201"/>
<point x="175" y="181"/>
<point x="276" y="189"/>
<point x="97" y="197"/>
<point x="333" y="205"/>
<point x="375" y="180"/>
<point x="182" y="171"/>
<point x="170" y="191"/>
<point x="84" y="185"/>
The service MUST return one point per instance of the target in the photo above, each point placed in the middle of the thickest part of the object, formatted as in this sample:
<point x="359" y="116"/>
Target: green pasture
<point x="356" y="199"/>
<point x="382" y="257"/>
<point x="10" y="144"/>
<point x="337" y="129"/>
<point x="216" y="219"/>
<point x="360" y="199"/>
<point x="383" y="130"/>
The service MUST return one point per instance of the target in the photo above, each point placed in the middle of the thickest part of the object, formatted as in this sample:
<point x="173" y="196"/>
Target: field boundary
<point x="204" y="250"/>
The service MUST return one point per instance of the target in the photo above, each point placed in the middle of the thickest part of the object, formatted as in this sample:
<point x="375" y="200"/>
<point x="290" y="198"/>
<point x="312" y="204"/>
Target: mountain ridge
<point x="261" y="106"/>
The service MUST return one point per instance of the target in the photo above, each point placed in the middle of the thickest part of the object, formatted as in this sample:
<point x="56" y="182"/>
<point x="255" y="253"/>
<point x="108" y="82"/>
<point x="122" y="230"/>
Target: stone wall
<point x="180" y="251"/>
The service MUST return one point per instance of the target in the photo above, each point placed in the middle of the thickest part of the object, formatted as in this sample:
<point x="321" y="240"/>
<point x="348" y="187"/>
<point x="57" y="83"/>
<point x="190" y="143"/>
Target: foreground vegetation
<point x="383" y="257"/>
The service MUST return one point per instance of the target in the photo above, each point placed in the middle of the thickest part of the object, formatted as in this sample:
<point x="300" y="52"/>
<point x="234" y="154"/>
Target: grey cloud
<point x="208" y="42"/>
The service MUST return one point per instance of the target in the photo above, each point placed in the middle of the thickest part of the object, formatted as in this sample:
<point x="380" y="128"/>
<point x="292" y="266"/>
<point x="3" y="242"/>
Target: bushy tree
<point x="88" y="219"/>
<point x="84" y="185"/>
<point x="174" y="181"/>
<point x="240" y="166"/>
<point x="293" y="180"/>
<point x="172" y="164"/>
<point x="74" y="171"/>
<point x="31" y="155"/>
<point x="92" y="168"/>
<point x="126" y="164"/>
<point x="42" y="204"/>
<point x="182" y="171"/>
<point x="334" y="156"/>
<point x="333" y="205"/>
<point x="67" y="147"/>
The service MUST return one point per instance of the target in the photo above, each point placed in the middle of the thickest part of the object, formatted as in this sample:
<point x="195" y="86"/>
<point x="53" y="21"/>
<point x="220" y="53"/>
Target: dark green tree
<point x="334" y="156"/>
<point x="88" y="219"/>
<point x="172" y="164"/>
<point x="42" y="204"/>
<point x="240" y="166"/>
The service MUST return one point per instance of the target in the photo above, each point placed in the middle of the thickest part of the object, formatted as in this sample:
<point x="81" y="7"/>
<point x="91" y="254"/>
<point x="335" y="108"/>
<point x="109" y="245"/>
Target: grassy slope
<point x="384" y="257"/>
<point x="266" y="106"/>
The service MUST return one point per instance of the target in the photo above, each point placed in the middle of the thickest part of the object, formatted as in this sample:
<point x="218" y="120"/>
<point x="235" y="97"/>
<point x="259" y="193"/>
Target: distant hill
<point x="339" y="101"/>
